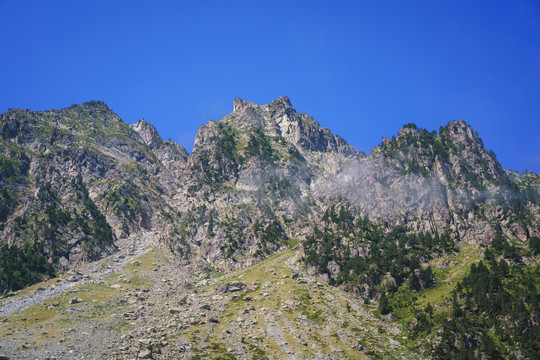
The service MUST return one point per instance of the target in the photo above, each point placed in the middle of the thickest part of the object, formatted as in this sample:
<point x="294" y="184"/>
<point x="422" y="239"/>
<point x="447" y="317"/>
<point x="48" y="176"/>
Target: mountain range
<point x="271" y="213"/>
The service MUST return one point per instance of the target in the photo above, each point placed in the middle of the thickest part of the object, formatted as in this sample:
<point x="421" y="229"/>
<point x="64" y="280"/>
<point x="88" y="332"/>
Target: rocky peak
<point x="148" y="133"/>
<point x="180" y="147"/>
<point x="404" y="131"/>
<point x="461" y="132"/>
<point x="282" y="119"/>
<point x="276" y="106"/>
<point x="304" y="131"/>
<point x="282" y="102"/>
<point x="94" y="106"/>
<point x="246" y="116"/>
<point x="239" y="104"/>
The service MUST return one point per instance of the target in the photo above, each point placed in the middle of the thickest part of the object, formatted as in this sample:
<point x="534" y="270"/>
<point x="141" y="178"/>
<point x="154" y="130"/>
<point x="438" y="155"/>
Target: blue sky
<point x="361" y="68"/>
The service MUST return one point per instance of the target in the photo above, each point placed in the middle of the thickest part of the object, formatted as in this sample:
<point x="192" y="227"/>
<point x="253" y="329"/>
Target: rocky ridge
<point x="79" y="183"/>
<point x="256" y="178"/>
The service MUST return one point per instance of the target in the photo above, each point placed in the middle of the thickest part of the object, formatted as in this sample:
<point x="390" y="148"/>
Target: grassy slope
<point x="287" y="316"/>
<point x="448" y="270"/>
<point x="46" y="323"/>
<point x="293" y="316"/>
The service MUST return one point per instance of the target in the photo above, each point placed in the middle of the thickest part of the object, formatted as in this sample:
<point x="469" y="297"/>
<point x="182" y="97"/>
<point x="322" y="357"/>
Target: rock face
<point x="148" y="134"/>
<point x="247" y="183"/>
<point x="77" y="179"/>
<point x="267" y="173"/>
<point x="432" y="181"/>
<point x="172" y="156"/>
<point x="73" y="181"/>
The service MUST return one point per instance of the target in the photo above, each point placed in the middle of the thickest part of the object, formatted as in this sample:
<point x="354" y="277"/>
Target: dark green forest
<point x="399" y="252"/>
<point x="493" y="313"/>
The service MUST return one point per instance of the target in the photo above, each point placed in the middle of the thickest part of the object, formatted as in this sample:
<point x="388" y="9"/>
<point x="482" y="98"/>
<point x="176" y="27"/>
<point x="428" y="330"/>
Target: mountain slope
<point x="73" y="181"/>
<point x="271" y="310"/>
<point x="79" y="185"/>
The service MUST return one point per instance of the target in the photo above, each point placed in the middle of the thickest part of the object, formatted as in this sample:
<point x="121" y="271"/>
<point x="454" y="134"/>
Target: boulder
<point x="232" y="287"/>
<point x="76" y="300"/>
<point x="145" y="354"/>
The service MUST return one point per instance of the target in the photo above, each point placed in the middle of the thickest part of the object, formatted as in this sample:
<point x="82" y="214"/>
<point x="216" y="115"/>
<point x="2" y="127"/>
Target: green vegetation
<point x="126" y="200"/>
<point x="226" y="155"/>
<point x="21" y="266"/>
<point x="407" y="147"/>
<point x="384" y="307"/>
<point x="278" y="187"/>
<point x="259" y="146"/>
<point x="44" y="236"/>
<point x="493" y="314"/>
<point x="482" y="310"/>
<point x="272" y="236"/>
<point x="368" y="254"/>
<point x="219" y="351"/>
<point x="293" y="242"/>
<point x="410" y="126"/>
<point x="534" y="244"/>
<point x="98" y="230"/>
<point x="12" y="169"/>
<point x="311" y="317"/>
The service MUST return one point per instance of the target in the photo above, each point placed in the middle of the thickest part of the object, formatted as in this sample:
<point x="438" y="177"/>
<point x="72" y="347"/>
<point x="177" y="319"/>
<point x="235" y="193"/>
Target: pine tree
<point x="384" y="307"/>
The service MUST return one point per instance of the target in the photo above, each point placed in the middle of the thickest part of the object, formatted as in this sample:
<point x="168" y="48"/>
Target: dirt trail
<point x="128" y="249"/>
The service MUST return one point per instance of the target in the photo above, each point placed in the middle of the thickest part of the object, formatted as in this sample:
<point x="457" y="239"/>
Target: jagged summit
<point x="461" y="132"/>
<point x="148" y="133"/>
<point x="248" y="115"/>
<point x="92" y="105"/>
<point x="281" y="102"/>
<point x="239" y="104"/>
<point x="279" y="118"/>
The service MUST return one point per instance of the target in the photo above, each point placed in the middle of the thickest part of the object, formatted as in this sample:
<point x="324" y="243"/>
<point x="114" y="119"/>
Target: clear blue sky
<point x="361" y="68"/>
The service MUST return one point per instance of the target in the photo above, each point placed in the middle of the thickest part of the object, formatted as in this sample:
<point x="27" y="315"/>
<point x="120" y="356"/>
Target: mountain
<point x="85" y="196"/>
<point x="74" y="180"/>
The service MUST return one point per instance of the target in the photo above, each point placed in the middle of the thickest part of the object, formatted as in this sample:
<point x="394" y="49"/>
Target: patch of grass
<point x="315" y="316"/>
<point x="257" y="352"/>
<point x="219" y="351"/>
<point x="42" y="321"/>
<point x="140" y="281"/>
<point x="96" y="294"/>
<point x="293" y="242"/>
<point x="404" y="301"/>
<point x="145" y="261"/>
<point x="448" y="278"/>
<point x="119" y="326"/>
